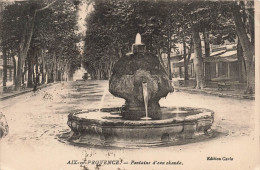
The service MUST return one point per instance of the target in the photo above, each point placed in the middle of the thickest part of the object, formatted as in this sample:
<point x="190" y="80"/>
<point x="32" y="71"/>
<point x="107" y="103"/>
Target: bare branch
<point x="47" y="6"/>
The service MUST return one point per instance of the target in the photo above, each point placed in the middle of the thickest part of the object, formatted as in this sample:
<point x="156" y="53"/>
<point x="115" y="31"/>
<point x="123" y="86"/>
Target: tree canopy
<point x="42" y="33"/>
<point x="112" y="26"/>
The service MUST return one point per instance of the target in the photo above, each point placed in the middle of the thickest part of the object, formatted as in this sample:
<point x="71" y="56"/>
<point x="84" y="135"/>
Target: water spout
<point x="145" y="94"/>
<point x="138" y="39"/>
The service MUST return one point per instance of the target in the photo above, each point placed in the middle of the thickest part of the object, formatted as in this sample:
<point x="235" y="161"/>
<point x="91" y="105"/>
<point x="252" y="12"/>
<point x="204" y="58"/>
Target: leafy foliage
<point x="45" y="27"/>
<point x="112" y="26"/>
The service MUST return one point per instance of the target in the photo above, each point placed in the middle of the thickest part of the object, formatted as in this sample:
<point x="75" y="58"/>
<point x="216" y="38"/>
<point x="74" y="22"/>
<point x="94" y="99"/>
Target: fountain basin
<point x="108" y="128"/>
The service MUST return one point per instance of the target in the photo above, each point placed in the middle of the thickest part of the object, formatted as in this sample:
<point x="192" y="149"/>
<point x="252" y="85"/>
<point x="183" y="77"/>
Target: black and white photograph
<point x="129" y="84"/>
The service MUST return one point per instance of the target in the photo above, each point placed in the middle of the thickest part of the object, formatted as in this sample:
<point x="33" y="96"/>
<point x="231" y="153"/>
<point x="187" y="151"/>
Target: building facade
<point x="223" y="63"/>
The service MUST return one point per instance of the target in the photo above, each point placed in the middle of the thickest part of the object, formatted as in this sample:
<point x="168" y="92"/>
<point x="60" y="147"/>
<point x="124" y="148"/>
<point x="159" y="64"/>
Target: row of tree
<point x="112" y="26"/>
<point x="40" y="37"/>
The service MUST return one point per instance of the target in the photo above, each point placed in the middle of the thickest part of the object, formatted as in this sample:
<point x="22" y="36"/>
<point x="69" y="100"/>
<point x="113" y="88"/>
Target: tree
<point x="19" y="21"/>
<point x="239" y="16"/>
<point x="115" y="25"/>
<point x="56" y="41"/>
<point x="198" y="57"/>
<point x="247" y="46"/>
<point x="43" y="36"/>
<point x="206" y="18"/>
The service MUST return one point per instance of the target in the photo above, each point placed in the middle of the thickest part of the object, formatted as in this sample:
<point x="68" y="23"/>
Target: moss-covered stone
<point x="126" y="82"/>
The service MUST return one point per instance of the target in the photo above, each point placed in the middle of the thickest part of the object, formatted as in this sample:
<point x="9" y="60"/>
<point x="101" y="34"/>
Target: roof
<point x="228" y="56"/>
<point x="215" y="57"/>
<point x="229" y="53"/>
<point x="217" y="53"/>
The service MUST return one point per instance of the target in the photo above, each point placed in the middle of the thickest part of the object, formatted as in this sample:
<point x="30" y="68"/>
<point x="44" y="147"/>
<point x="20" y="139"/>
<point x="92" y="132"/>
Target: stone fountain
<point x="140" y="79"/>
<point x="129" y="75"/>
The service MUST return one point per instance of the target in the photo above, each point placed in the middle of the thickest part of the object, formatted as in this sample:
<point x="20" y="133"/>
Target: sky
<point x="84" y="10"/>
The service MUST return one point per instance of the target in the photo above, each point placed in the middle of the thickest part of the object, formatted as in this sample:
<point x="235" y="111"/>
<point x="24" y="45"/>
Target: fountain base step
<point x="86" y="140"/>
<point x="176" y="126"/>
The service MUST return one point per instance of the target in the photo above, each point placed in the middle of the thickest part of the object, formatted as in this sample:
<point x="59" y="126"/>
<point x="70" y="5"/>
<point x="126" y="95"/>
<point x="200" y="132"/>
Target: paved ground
<point x="35" y="120"/>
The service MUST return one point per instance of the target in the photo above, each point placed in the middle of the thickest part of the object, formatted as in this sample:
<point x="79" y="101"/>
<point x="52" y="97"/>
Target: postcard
<point x="127" y="85"/>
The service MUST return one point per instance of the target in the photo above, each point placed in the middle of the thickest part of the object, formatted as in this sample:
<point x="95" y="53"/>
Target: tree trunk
<point x="36" y="69"/>
<point x="24" y="71"/>
<point x="180" y="72"/>
<point x="207" y="54"/>
<point x="169" y="58"/>
<point x="189" y="55"/>
<point x="30" y="75"/>
<point x="248" y="49"/>
<point x="70" y="75"/>
<point x="33" y="74"/>
<point x="23" y="49"/>
<point x="50" y="71"/>
<point x="67" y="71"/>
<point x="252" y="26"/>
<point x="161" y="61"/>
<point x="46" y="73"/>
<point x="198" y="68"/>
<point x="50" y="76"/>
<point x="186" y="62"/>
<point x="41" y="66"/>
<point x="4" y="67"/>
<point x="30" y="71"/>
<point x="14" y="73"/>
<point x="241" y="68"/>
<point x="43" y="73"/>
<point x="19" y="73"/>
<point x="25" y="44"/>
<point x="54" y="70"/>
